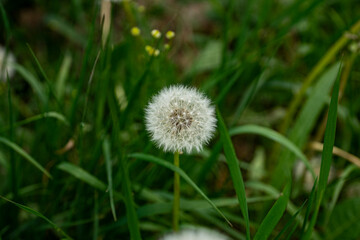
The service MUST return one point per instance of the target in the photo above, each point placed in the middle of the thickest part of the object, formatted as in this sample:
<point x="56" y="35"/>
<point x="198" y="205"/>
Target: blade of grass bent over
<point x="235" y="172"/>
<point x="36" y="213"/>
<point x="277" y="137"/>
<point x="24" y="154"/>
<point x="55" y="115"/>
<point x="326" y="156"/>
<point x="274" y="215"/>
<point x="82" y="175"/>
<point x="172" y="167"/>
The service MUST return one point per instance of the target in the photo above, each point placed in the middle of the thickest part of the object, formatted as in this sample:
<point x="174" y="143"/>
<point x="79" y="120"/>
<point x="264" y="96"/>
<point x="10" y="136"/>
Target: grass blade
<point x="235" y="172"/>
<point x="83" y="175"/>
<point x="290" y="222"/>
<point x="33" y="82"/>
<point x="326" y="157"/>
<point x="63" y="75"/>
<point x="277" y="137"/>
<point x="340" y="184"/>
<point x="133" y="221"/>
<point x="44" y="76"/>
<point x="309" y="207"/>
<point x="36" y="213"/>
<point x="172" y="167"/>
<point x="62" y="27"/>
<point x="55" y="115"/>
<point x="24" y="154"/>
<point x="107" y="155"/>
<point x="274" y="215"/>
<point x="305" y="123"/>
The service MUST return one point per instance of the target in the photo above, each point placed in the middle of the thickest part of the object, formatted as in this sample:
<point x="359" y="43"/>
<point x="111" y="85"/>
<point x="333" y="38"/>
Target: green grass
<point x="75" y="154"/>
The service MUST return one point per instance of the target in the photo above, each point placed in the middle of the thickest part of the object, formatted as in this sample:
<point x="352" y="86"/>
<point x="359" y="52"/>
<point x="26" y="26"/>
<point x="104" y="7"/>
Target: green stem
<point x="176" y="205"/>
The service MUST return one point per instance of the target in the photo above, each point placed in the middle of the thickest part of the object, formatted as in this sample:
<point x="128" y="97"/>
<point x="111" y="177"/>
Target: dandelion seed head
<point x="156" y="33"/>
<point x="195" y="234"/>
<point x="181" y="119"/>
<point x="135" y="31"/>
<point x="6" y="64"/>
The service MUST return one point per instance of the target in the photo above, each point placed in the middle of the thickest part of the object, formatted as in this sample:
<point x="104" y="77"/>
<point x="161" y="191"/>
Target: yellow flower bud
<point x="170" y="34"/>
<point x="135" y="31"/>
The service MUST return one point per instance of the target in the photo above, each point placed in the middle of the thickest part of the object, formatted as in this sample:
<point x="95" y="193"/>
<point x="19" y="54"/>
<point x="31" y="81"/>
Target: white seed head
<point x="181" y="119"/>
<point x="195" y="234"/>
<point x="6" y="65"/>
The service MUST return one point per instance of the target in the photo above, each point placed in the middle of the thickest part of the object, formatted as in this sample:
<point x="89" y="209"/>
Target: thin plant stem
<point x="176" y="204"/>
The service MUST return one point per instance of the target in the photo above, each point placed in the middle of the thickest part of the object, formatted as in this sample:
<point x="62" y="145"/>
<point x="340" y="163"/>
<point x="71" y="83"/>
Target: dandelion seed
<point x="156" y="33"/>
<point x="180" y="119"/>
<point x="6" y="65"/>
<point x="135" y="31"/>
<point x="170" y="34"/>
<point x="195" y="234"/>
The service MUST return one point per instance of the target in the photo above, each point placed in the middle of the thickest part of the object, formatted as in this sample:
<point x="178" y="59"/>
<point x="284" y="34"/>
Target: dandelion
<point x="6" y="64"/>
<point x="167" y="46"/>
<point x="156" y="33"/>
<point x="180" y="119"/>
<point x="135" y="31"/>
<point x="195" y="234"/>
<point x="170" y="34"/>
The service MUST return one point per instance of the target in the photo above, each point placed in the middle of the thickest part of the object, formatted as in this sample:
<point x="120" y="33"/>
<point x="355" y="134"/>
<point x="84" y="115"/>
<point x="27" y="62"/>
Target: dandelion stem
<point x="176" y="205"/>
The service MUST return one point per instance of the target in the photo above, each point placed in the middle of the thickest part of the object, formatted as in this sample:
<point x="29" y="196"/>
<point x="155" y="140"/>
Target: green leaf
<point x="344" y="222"/>
<point x="172" y="167"/>
<point x="235" y="172"/>
<point x="24" y="154"/>
<point x="275" y="136"/>
<point x="83" y="175"/>
<point x="274" y="215"/>
<point x="36" y="213"/>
